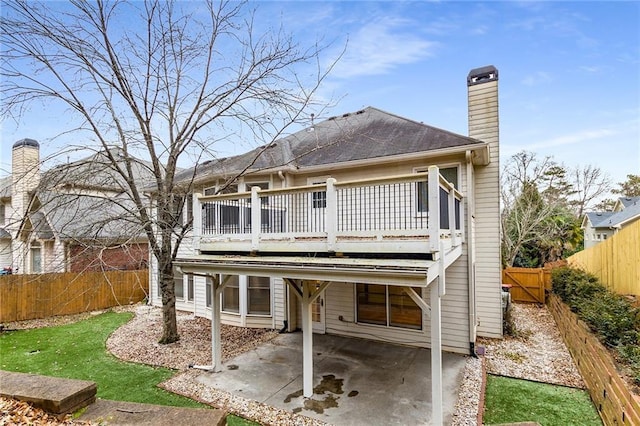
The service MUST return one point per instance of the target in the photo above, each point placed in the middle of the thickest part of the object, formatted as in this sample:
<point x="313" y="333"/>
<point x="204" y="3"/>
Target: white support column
<point x="197" y="221"/>
<point x="216" y="345"/>
<point x="434" y="209"/>
<point x="307" y="341"/>
<point x="332" y="214"/>
<point x="436" y="355"/>
<point x="437" y="291"/>
<point x="256" y="226"/>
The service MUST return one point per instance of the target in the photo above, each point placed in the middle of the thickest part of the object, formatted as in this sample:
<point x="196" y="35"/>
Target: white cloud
<point x="380" y="46"/>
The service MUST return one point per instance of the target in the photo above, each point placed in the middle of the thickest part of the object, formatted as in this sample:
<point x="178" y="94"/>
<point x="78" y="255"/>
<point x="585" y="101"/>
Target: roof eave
<point x="480" y="157"/>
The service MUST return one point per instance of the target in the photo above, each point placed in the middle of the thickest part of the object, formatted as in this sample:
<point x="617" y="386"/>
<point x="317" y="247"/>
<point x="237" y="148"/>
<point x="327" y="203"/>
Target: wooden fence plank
<point x="25" y="297"/>
<point x="615" y="261"/>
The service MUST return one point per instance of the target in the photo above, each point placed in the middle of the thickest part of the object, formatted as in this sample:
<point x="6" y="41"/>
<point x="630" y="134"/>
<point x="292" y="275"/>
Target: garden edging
<point x="613" y="399"/>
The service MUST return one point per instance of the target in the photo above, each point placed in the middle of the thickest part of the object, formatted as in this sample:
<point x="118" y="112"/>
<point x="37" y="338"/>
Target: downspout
<point x="470" y="254"/>
<point x="285" y="322"/>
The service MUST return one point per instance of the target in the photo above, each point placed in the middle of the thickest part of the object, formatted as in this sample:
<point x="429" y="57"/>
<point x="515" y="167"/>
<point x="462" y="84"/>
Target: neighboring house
<point x="73" y="217"/>
<point x="598" y="226"/>
<point x="350" y="227"/>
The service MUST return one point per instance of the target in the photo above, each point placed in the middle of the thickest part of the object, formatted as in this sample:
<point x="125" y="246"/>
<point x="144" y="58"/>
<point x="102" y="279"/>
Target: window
<point x="319" y="199"/>
<point x="259" y="295"/>
<point x="208" y="290"/>
<point x="388" y="306"/>
<point x="189" y="288"/>
<point x="261" y="185"/>
<point x="36" y="258"/>
<point x="422" y="188"/>
<point x="178" y="283"/>
<point x="2" y="222"/>
<point x="231" y="295"/>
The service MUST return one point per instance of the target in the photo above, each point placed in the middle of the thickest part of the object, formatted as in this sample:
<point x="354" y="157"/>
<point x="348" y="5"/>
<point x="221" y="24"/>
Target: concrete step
<point x="53" y="394"/>
<point x="121" y="413"/>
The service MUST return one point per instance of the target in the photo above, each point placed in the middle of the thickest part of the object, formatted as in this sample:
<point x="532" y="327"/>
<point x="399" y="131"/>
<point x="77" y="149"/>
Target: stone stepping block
<point x="53" y="394"/>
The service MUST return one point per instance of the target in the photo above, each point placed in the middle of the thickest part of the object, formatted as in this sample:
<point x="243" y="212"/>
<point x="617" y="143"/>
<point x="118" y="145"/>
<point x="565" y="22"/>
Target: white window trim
<point x="421" y="330"/>
<point x="243" y="303"/>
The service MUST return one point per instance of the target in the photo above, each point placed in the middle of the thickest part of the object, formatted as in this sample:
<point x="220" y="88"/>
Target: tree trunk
<point x="167" y="288"/>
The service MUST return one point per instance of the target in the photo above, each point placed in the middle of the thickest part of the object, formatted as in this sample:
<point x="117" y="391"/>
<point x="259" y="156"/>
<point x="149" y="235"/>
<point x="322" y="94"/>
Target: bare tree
<point x="589" y="183"/>
<point x="157" y="80"/>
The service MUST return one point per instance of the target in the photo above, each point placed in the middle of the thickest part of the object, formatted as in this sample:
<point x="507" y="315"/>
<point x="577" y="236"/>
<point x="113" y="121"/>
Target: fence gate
<point x="527" y="284"/>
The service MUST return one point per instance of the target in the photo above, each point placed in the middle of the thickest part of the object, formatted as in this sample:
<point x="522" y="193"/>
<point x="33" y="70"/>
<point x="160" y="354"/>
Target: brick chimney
<point x="25" y="176"/>
<point x="482" y="84"/>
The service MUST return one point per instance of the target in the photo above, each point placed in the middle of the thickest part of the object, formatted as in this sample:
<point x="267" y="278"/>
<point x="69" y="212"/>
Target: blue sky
<point x="569" y="72"/>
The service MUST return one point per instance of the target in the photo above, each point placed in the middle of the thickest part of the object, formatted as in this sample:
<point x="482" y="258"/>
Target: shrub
<point x="612" y="317"/>
<point x="630" y="354"/>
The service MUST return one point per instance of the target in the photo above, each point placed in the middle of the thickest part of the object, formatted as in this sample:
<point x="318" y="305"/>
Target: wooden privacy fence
<point x="527" y="284"/>
<point x="615" y="261"/>
<point x="24" y="297"/>
<point x="615" y="402"/>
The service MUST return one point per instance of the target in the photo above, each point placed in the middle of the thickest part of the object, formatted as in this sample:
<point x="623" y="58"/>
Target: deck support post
<point x="216" y="346"/>
<point x="307" y="341"/>
<point x="437" y="291"/>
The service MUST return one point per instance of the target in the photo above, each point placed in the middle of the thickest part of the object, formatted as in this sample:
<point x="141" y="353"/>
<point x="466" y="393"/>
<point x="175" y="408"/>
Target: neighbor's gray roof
<point x="613" y="219"/>
<point x="97" y="170"/>
<point x="627" y="201"/>
<point x="5" y="187"/>
<point x="87" y="217"/>
<point x="367" y="134"/>
<point x="4" y="234"/>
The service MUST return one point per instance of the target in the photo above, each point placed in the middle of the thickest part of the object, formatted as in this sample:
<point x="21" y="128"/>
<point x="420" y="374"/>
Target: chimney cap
<point x="482" y="75"/>
<point x="26" y="142"/>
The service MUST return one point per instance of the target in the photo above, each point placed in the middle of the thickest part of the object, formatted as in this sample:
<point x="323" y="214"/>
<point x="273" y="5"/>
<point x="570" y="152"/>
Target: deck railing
<point x="335" y="216"/>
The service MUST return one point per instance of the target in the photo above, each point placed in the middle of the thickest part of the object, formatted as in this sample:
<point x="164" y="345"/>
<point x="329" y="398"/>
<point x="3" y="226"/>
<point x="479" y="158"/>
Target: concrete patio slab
<point x="356" y="381"/>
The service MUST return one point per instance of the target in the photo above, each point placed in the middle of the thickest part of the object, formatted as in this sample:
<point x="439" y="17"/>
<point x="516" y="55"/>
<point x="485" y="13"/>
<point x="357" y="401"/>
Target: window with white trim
<point x="388" y="306"/>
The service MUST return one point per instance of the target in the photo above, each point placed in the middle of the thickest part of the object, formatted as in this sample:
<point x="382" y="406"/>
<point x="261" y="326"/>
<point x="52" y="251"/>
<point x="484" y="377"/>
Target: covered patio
<point x="356" y="381"/>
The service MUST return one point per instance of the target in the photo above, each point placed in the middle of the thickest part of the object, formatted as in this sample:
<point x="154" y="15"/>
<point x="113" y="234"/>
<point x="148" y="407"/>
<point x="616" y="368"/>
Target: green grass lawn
<point x="78" y="351"/>
<point x="512" y="400"/>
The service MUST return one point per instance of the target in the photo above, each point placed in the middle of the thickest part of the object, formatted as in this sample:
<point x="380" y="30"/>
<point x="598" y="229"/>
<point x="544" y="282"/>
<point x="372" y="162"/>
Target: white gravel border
<point x="537" y="353"/>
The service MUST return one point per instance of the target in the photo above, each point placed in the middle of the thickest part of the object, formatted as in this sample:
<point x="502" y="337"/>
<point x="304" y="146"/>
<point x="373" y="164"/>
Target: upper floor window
<point x="422" y="188"/>
<point x="2" y="220"/>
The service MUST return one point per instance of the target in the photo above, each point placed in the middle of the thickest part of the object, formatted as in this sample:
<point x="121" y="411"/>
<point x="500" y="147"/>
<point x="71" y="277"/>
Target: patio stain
<point x="329" y="384"/>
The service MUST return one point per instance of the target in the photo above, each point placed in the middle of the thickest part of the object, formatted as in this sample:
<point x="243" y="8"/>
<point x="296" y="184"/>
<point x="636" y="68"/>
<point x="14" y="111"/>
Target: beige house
<point x="366" y="225"/>
<point x="74" y="217"/>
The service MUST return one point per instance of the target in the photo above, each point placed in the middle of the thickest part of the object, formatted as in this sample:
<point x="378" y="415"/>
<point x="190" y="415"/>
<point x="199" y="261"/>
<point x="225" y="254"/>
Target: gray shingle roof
<point x="5" y="187"/>
<point x="367" y="134"/>
<point x="614" y="219"/>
